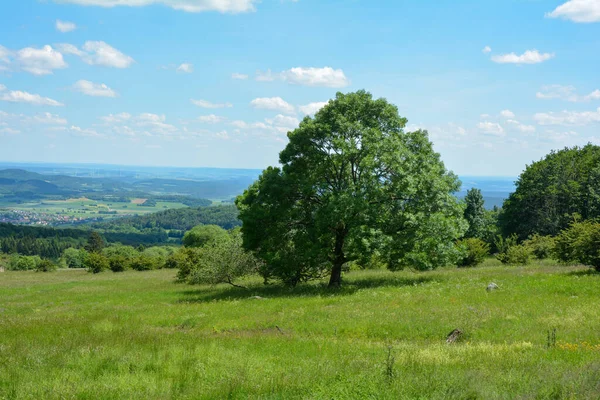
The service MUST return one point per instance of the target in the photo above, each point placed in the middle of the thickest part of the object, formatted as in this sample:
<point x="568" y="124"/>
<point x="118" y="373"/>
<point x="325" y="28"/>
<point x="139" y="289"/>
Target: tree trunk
<point x="338" y="261"/>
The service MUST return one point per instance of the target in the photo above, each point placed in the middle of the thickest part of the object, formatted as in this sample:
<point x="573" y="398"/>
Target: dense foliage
<point x="474" y="252"/>
<point x="552" y="191"/>
<point x="580" y="243"/>
<point x="219" y="260"/>
<point x="511" y="252"/>
<point x="201" y="235"/>
<point x="352" y="183"/>
<point x="181" y="219"/>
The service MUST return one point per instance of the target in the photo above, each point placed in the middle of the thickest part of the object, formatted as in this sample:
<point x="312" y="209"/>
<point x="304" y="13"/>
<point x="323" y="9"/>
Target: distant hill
<point x="181" y="219"/>
<point x="16" y="183"/>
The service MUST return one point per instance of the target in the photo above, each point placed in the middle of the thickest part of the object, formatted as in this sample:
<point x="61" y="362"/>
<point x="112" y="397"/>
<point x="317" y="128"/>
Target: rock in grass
<point x="454" y="336"/>
<point x="492" y="286"/>
<point x="257" y="298"/>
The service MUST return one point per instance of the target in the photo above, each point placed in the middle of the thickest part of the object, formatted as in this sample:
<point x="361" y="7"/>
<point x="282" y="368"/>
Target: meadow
<point x="71" y="334"/>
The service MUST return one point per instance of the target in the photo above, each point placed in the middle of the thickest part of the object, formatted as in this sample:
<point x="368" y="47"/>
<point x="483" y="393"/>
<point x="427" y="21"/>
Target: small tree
<point x="96" y="263"/>
<point x="73" y="258"/>
<point x="45" y="266"/>
<point x="474" y="252"/>
<point x="95" y="243"/>
<point x="475" y="214"/>
<point x="202" y="235"/>
<point x="223" y="262"/>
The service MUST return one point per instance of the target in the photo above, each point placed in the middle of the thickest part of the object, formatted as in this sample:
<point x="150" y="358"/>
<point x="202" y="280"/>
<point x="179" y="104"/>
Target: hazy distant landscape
<point x="72" y="194"/>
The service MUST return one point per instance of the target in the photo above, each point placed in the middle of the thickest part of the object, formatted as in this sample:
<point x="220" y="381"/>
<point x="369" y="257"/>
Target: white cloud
<point x="222" y="135"/>
<point x="312" y="108"/>
<point x="567" y="93"/>
<point x="584" y="11"/>
<point x="273" y="103"/>
<point x="529" y="57"/>
<point x="486" y="50"/>
<point x="491" y="128"/>
<point x="94" y="89"/>
<point x="185" y="68"/>
<point x="114" y="118"/>
<point x="49" y="119"/>
<point x="101" y="53"/>
<point x="78" y="131"/>
<point x="10" y="131"/>
<point x="17" y="96"/>
<point x="2" y="88"/>
<point x="211" y="119"/>
<point x="208" y="104"/>
<point x="325" y="77"/>
<point x="568" y="118"/>
<point x="284" y="122"/>
<point x="65" y="26"/>
<point x="507" y="114"/>
<point x="239" y="76"/>
<point x="67" y="48"/>
<point x="526" y="128"/>
<point x="145" y="124"/>
<point x="40" y="61"/>
<point x="222" y="6"/>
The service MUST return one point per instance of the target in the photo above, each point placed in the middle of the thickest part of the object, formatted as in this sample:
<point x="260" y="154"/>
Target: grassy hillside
<point x="139" y="335"/>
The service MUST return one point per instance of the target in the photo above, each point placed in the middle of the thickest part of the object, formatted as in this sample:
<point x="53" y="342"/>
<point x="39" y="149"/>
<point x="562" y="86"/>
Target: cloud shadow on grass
<point x="258" y="291"/>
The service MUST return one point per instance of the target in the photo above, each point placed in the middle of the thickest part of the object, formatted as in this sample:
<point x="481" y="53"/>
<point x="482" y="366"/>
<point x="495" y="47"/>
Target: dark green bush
<point x="580" y="243"/>
<point x="474" y="252"/>
<point x="540" y="246"/>
<point x="144" y="262"/>
<point x="510" y="252"/>
<point x="45" y="266"/>
<point x="118" y="263"/>
<point x="96" y="263"/>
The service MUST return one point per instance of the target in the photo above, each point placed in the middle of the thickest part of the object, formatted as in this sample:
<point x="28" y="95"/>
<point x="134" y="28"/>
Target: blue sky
<point x="218" y="83"/>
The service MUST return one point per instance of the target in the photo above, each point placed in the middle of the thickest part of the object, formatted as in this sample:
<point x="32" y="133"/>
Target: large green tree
<point x="551" y="192"/>
<point x="353" y="184"/>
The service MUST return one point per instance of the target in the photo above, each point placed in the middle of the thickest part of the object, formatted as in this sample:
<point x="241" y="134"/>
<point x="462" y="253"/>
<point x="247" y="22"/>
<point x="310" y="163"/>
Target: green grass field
<point x="71" y="334"/>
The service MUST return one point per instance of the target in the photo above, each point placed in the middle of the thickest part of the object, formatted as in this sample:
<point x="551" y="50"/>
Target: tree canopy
<point x="551" y="192"/>
<point x="202" y="235"/>
<point x="353" y="184"/>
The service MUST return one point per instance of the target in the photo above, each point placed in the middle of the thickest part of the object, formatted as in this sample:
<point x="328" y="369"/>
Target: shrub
<point x="220" y="262"/>
<point x="510" y="252"/>
<point x="185" y="260"/>
<point x="23" y="263"/>
<point x="73" y="258"/>
<point x="580" y="243"/>
<point x="45" y="266"/>
<point x="118" y="263"/>
<point x="96" y="263"/>
<point x="540" y="246"/>
<point x="474" y="252"/>
<point x="144" y="262"/>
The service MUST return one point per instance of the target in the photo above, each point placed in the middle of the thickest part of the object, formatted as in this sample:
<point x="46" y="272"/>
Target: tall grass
<point x="71" y="334"/>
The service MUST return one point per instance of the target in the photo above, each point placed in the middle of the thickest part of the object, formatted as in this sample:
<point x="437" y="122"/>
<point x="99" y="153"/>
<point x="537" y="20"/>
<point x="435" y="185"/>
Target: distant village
<point x="26" y="217"/>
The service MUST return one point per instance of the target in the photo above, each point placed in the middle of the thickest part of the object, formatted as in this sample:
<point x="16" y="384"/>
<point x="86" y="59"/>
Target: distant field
<point x="71" y="334"/>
